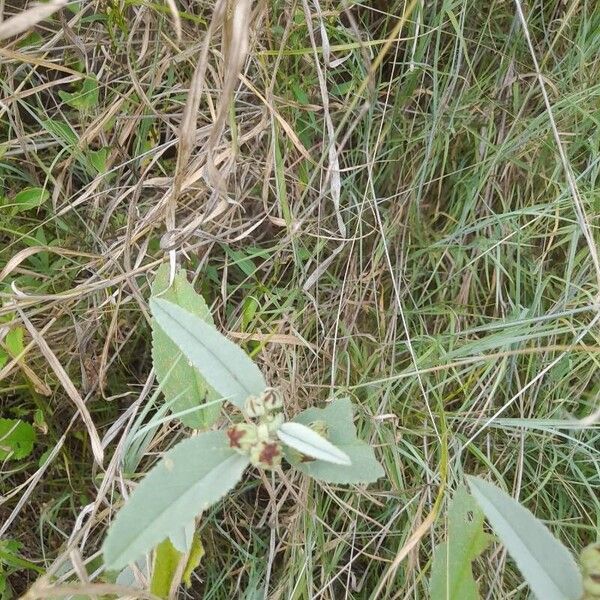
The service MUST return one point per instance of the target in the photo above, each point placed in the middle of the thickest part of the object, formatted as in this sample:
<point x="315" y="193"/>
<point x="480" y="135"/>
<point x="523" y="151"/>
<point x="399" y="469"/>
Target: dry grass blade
<point x="26" y="253"/>
<point x="22" y="57"/>
<point x="333" y="170"/>
<point x="28" y="18"/>
<point x="313" y="278"/>
<point x="187" y="129"/>
<point x="176" y="18"/>
<point x="286" y="339"/>
<point x="235" y="48"/>
<point x="67" y="385"/>
<point x="423" y="527"/>
<point x="410" y="544"/>
<point x="289" y="130"/>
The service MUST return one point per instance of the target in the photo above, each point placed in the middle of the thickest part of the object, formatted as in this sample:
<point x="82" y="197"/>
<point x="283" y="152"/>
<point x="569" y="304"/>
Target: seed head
<point x="273" y="422"/>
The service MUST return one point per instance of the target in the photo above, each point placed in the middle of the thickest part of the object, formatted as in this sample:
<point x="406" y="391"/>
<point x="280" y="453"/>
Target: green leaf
<point x="84" y="99"/>
<point x="30" y="198"/>
<point x="44" y="457"/>
<point x="14" y="341"/>
<point x="544" y="562"/>
<point x="39" y="421"/>
<point x="16" y="439"/>
<point x="225" y="366"/>
<point x="191" y="477"/>
<point x="182" y="384"/>
<point x="166" y="563"/>
<point x="30" y="40"/>
<point x="451" y="574"/>
<point x="98" y="158"/>
<point x="194" y="558"/>
<point x="342" y="433"/>
<point x="241" y="259"/>
<point x="309" y="442"/>
<point x="9" y="557"/>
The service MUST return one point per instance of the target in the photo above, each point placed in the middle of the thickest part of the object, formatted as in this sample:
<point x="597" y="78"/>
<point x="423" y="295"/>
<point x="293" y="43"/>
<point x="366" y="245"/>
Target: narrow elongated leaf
<point x="62" y="131"/>
<point x="544" y="562"/>
<point x="195" y="556"/>
<point x="310" y="443"/>
<point x="225" y="366"/>
<point x="451" y="573"/>
<point x="193" y="475"/>
<point x="182" y="384"/>
<point x="341" y="433"/>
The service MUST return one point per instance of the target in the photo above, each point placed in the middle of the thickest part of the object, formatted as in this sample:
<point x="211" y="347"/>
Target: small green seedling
<point x="199" y="471"/>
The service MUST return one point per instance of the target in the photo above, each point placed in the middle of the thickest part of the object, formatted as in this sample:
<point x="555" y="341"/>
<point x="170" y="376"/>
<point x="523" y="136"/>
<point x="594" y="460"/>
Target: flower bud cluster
<point x="259" y="440"/>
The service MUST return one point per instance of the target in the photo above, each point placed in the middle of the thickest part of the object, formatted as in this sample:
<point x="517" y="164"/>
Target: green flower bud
<point x="272" y="400"/>
<point x="266" y="455"/>
<point x="590" y="567"/>
<point x="262" y="432"/>
<point x="254" y="407"/>
<point x="273" y="422"/>
<point x="242" y="437"/>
